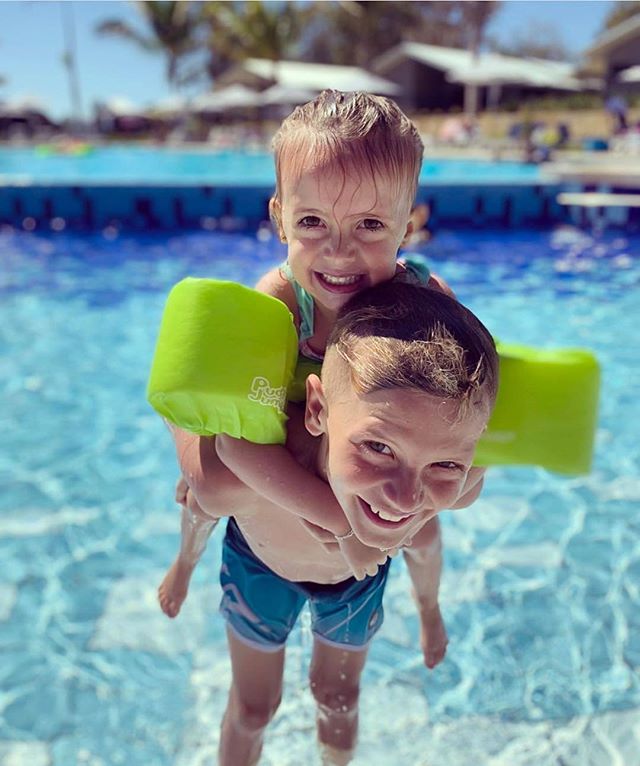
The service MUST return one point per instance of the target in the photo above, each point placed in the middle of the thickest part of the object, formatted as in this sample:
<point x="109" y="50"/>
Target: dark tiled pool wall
<point x="176" y="207"/>
<point x="492" y="205"/>
<point x="135" y="207"/>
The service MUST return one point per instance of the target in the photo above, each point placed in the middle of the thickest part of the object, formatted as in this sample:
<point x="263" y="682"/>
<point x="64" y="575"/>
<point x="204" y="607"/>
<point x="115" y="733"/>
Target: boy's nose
<point x="406" y="495"/>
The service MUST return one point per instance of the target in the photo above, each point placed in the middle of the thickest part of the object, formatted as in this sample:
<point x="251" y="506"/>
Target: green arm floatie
<point x="546" y="410"/>
<point x="226" y="356"/>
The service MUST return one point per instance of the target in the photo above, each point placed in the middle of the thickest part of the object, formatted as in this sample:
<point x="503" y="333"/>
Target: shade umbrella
<point x="233" y="97"/>
<point x="286" y="95"/>
<point x="630" y="75"/>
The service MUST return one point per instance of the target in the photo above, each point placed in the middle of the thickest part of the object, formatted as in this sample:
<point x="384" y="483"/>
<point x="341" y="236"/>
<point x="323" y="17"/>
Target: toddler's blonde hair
<point x="354" y="132"/>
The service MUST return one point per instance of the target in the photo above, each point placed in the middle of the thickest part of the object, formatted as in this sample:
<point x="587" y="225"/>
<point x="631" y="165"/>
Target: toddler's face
<point x="343" y="232"/>
<point x="396" y="457"/>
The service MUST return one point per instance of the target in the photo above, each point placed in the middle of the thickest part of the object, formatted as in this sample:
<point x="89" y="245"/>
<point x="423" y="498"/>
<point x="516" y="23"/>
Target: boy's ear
<point x="275" y="213"/>
<point x="315" y="414"/>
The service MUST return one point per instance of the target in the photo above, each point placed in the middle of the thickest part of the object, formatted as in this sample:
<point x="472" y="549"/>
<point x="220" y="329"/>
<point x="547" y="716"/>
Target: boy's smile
<point x="343" y="231"/>
<point x="395" y="457"/>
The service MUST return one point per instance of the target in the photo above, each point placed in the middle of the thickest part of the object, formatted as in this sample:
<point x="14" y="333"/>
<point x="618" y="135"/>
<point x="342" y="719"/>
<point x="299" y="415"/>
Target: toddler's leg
<point x="335" y="684"/>
<point x="256" y="690"/>
<point x="196" y="528"/>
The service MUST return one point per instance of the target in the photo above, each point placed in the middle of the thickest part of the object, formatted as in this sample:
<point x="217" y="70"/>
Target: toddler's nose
<point x="339" y="247"/>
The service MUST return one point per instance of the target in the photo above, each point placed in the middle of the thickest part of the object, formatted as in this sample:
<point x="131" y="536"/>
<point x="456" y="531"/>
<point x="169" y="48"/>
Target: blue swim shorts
<point x="261" y="607"/>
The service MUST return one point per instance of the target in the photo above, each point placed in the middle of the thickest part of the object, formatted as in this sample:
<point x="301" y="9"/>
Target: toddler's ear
<point x="315" y="414"/>
<point x="275" y="213"/>
<point x="408" y="233"/>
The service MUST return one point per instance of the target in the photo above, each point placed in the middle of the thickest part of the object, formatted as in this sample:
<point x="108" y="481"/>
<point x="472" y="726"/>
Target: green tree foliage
<point x="537" y="40"/>
<point x="240" y="30"/>
<point x="171" y="29"/>
<point x="621" y="11"/>
<point x="356" y="31"/>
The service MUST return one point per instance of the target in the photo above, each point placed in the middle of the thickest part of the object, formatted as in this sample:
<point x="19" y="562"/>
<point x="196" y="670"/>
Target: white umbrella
<point x="233" y="97"/>
<point x="119" y="106"/>
<point x="483" y="74"/>
<point x="25" y="104"/>
<point x="170" y="106"/>
<point x="283" y="95"/>
<point x="630" y="75"/>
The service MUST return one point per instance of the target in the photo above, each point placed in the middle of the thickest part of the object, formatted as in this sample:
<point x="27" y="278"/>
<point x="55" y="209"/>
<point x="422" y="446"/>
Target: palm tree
<point x="240" y="30"/>
<point x="621" y="11"/>
<point x="353" y="32"/>
<point x="69" y="58"/>
<point x="356" y="31"/>
<point x="475" y="17"/>
<point x="172" y="29"/>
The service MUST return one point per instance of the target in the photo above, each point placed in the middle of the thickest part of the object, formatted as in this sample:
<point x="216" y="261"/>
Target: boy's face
<point x="394" y="458"/>
<point x="343" y="231"/>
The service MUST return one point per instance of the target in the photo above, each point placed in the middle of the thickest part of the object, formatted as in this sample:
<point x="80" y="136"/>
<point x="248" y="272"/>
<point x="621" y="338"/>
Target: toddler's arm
<point x="271" y="471"/>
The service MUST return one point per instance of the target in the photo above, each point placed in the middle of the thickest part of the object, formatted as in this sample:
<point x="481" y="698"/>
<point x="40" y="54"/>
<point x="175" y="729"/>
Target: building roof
<point x="632" y="74"/>
<point x="314" y="77"/>
<point x="460" y="65"/>
<point x="626" y="31"/>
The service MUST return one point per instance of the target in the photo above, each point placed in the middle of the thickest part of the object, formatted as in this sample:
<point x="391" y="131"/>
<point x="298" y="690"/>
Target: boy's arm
<point x="424" y="563"/>
<point x="471" y="489"/>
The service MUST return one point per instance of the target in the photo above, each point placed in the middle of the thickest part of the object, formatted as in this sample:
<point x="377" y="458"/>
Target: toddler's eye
<point x="379" y="447"/>
<point x="372" y="224"/>
<point x="310" y="221"/>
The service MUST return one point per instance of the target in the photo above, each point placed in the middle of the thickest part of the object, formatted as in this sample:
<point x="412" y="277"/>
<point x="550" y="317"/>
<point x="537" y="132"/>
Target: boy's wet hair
<point x="400" y="335"/>
<point x="353" y="131"/>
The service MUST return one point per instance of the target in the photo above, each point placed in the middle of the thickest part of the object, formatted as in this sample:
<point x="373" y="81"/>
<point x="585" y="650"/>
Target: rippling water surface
<point x="541" y="587"/>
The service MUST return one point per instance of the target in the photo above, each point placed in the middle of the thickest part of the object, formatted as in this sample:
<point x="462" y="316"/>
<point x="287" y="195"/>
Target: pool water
<point x="153" y="166"/>
<point x="541" y="584"/>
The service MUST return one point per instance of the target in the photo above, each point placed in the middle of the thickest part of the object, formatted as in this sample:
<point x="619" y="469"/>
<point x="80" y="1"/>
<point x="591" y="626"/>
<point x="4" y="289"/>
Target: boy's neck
<point x="309" y="451"/>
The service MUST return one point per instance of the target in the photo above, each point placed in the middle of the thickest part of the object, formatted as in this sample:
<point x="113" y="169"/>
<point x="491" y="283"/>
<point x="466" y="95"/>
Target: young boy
<point x="408" y="383"/>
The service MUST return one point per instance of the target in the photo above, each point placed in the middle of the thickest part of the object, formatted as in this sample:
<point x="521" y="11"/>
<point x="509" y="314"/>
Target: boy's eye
<point x="449" y="465"/>
<point x="379" y="447"/>
<point x="310" y="221"/>
<point x="372" y="224"/>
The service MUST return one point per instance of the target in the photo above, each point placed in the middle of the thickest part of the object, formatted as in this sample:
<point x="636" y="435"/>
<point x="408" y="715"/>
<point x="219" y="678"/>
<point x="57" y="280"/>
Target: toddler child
<point x="347" y="168"/>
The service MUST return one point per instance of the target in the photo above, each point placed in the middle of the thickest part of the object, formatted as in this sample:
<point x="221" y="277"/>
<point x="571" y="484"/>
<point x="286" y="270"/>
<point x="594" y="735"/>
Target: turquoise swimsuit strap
<point x="304" y="301"/>
<point x="417" y="268"/>
<point x="417" y="271"/>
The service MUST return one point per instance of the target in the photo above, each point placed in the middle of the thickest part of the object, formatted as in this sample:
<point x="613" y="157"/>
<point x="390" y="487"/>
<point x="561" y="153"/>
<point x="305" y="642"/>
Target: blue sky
<point x="31" y="46"/>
